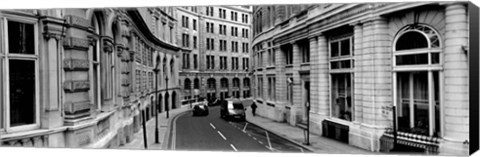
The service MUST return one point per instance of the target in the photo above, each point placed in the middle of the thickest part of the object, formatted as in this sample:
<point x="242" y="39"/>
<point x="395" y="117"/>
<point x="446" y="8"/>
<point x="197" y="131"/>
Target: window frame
<point x="347" y="71"/>
<point x="5" y="56"/>
<point x="430" y="68"/>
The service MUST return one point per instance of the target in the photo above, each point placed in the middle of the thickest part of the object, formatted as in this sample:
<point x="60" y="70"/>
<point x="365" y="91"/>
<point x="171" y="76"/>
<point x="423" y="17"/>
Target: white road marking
<point x="231" y="145"/>
<point x="301" y="149"/>
<point x="212" y="126"/>
<point x="245" y="127"/>
<point x="268" y="139"/>
<point x="221" y="135"/>
<point x="254" y="138"/>
<point x="260" y="142"/>
<point x="249" y="135"/>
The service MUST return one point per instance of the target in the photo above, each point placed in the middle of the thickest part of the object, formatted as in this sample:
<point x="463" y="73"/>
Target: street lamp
<point x="156" y="70"/>
<point x="166" y="82"/>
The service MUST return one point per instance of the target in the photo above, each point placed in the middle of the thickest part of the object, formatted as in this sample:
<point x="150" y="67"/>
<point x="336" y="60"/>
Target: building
<point x="353" y="62"/>
<point x="82" y="77"/>
<point x="215" y="52"/>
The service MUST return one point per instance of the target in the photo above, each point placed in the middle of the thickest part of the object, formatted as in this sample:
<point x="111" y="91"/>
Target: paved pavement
<point x="163" y="123"/>
<point x="318" y="144"/>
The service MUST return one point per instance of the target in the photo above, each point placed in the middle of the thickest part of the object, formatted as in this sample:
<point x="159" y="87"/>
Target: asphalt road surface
<point x="212" y="133"/>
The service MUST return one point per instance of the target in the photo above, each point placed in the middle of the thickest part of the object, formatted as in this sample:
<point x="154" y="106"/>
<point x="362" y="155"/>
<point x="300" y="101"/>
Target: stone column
<point x="314" y="99"/>
<point x="297" y="106"/>
<point x="358" y="73"/>
<point x="323" y="77"/>
<point x="382" y="72"/>
<point x="51" y="63"/>
<point x="455" y="104"/>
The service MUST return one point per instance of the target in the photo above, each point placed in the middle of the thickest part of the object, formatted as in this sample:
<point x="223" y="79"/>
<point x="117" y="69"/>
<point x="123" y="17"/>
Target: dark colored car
<point x="200" y="109"/>
<point x="232" y="110"/>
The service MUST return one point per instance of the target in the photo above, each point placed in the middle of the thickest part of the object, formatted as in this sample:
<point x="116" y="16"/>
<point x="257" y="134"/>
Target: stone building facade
<point x="215" y="48"/>
<point x="82" y="77"/>
<point x="352" y="63"/>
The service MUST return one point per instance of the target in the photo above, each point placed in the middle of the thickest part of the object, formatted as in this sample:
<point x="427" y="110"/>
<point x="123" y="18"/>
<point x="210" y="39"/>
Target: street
<point x="215" y="134"/>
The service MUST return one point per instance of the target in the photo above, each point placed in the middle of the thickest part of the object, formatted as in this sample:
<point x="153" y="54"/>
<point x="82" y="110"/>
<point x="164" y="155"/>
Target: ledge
<point x="30" y="133"/>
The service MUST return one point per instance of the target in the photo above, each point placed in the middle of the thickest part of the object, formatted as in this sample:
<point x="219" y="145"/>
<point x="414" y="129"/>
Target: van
<point x="232" y="110"/>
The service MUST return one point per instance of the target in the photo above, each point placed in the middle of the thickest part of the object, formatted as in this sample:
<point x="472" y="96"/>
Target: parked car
<point x="200" y="109"/>
<point x="232" y="110"/>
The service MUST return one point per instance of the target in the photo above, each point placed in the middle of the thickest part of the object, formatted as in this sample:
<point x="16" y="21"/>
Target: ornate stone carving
<point x="83" y="137"/>
<point x="76" y="64"/>
<point x="76" y="43"/>
<point x="76" y="86"/>
<point x="71" y="108"/>
<point x="77" y="21"/>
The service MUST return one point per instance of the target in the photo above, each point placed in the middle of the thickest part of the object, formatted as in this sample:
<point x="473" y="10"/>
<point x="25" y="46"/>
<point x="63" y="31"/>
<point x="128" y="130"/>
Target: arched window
<point x="95" y="82"/>
<point x="196" y="83"/>
<point x="417" y="70"/>
<point x="187" y="84"/>
<point x="417" y="44"/>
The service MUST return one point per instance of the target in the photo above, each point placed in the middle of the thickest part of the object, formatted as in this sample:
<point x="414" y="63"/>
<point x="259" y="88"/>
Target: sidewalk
<point x="318" y="144"/>
<point x="163" y="126"/>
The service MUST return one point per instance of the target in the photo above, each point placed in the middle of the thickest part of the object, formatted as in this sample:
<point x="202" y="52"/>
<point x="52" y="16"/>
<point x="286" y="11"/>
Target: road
<point x="211" y="133"/>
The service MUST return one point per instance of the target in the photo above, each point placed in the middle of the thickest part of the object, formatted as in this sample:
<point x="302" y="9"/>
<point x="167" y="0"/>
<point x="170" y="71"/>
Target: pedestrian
<point x="254" y="108"/>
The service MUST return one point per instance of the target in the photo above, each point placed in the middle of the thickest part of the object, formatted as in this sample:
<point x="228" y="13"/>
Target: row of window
<point x="222" y="13"/>
<point x="211" y="83"/>
<point x="144" y="80"/>
<point x="210" y="60"/>
<point x="222" y="30"/>
<point x="287" y="50"/>
<point x="186" y="61"/>
<point x="145" y="52"/>
<point x="210" y="44"/>
<point x="163" y="29"/>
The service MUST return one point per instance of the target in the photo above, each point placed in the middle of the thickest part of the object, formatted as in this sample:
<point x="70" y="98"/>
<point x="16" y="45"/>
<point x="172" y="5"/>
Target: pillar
<point x="456" y="100"/>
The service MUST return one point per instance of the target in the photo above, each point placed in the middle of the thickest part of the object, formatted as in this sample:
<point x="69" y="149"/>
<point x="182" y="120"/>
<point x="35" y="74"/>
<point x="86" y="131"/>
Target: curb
<point x="166" y="137"/>
<point x="290" y="140"/>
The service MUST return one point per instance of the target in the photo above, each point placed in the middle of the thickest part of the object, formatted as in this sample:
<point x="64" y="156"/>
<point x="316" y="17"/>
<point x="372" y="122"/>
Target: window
<point x="260" y="87"/>
<point x="244" y="33"/>
<point x="194" y="24"/>
<point x="210" y="44"/>
<point x="222" y="13"/>
<point x="187" y="84"/>
<point x="195" y="61"/>
<point x="222" y="29"/>
<point x="185" y="40"/>
<point x="210" y="27"/>
<point x="289" y="83"/>
<point x="341" y="53"/>
<point x="150" y="80"/>
<point x="186" y="60"/>
<point x="271" y="88"/>
<point x="341" y="71"/>
<point x="304" y="47"/>
<point x="196" y="83"/>
<point x="288" y="54"/>
<point x="209" y="11"/>
<point x="417" y="71"/>
<point x="194" y="42"/>
<point x="234" y="31"/>
<point x="210" y="62"/>
<point x="225" y="63"/>
<point x="185" y="21"/>
<point x="21" y="77"/>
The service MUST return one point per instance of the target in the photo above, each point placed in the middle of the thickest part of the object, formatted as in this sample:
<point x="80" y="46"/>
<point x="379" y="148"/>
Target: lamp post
<point x="156" y="70"/>
<point x="166" y="82"/>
